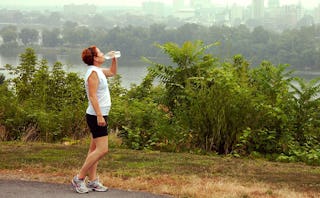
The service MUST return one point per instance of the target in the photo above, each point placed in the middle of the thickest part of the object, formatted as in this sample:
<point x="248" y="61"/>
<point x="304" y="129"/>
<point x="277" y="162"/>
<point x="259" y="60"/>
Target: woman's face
<point x="100" y="56"/>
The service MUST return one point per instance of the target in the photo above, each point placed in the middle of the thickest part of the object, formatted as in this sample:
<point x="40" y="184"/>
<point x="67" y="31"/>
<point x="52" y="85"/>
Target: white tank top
<point x="103" y="92"/>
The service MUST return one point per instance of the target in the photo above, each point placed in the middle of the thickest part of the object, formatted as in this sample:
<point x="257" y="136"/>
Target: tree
<point x="25" y="73"/>
<point x="68" y="32"/>
<point x="49" y="104"/>
<point x="306" y="110"/>
<point x="2" y="78"/>
<point x="9" y="34"/>
<point x="189" y="32"/>
<point x="260" y="35"/>
<point x="79" y="36"/>
<point x="187" y="60"/>
<point x="51" y="38"/>
<point x="28" y="36"/>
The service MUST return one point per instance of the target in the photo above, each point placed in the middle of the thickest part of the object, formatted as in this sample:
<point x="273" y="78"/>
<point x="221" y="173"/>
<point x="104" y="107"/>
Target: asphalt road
<point x="28" y="189"/>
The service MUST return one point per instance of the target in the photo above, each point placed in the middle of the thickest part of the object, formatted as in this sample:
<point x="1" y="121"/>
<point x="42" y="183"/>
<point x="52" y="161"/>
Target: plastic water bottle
<point x="109" y="55"/>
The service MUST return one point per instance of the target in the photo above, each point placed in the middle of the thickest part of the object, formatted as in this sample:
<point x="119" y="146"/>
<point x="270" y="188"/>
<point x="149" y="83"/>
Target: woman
<point x="96" y="114"/>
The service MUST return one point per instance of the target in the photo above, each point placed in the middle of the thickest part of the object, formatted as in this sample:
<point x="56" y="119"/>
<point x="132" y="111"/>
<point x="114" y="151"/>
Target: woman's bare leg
<point x="98" y="148"/>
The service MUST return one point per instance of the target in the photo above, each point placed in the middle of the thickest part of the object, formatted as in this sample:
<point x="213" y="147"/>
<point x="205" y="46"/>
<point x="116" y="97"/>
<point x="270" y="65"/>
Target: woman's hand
<point x="111" y="54"/>
<point x="101" y="121"/>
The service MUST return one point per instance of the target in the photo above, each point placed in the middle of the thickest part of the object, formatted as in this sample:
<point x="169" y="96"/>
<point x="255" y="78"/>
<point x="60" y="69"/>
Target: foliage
<point x="174" y="78"/>
<point x="230" y="108"/>
<point x="216" y="110"/>
<point x="51" y="38"/>
<point x="29" y="36"/>
<point x="8" y="112"/>
<point x="298" y="47"/>
<point x="9" y="34"/>
<point x="142" y="123"/>
<point x="197" y="92"/>
<point x="2" y="78"/>
<point x="48" y="104"/>
<point x="306" y="107"/>
<point x="197" y="104"/>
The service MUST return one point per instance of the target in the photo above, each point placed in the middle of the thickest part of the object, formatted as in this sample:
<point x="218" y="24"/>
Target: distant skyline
<point x="35" y="3"/>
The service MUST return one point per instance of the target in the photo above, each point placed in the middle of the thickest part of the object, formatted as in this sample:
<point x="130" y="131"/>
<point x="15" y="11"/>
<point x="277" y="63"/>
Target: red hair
<point x="88" y="54"/>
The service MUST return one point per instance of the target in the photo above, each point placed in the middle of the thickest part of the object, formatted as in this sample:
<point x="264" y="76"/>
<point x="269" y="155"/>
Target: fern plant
<point x="186" y="61"/>
<point x="307" y="101"/>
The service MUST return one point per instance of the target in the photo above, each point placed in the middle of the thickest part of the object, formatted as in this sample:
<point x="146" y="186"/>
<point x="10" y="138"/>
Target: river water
<point x="131" y="71"/>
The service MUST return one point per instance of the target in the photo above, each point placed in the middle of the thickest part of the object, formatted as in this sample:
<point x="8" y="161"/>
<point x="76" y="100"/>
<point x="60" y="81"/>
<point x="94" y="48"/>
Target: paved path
<point x="27" y="189"/>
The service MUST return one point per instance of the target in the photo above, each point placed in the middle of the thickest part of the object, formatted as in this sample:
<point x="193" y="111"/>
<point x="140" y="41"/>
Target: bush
<point x="48" y="105"/>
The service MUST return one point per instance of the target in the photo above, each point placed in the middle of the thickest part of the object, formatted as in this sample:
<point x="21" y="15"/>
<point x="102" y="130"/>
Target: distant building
<point x="317" y="14"/>
<point x="73" y="9"/>
<point x="258" y="9"/>
<point x="203" y="11"/>
<point x="178" y="4"/>
<point x="222" y="17"/>
<point x="272" y="15"/>
<point x="273" y="4"/>
<point x="236" y="15"/>
<point x="199" y="4"/>
<point x="185" y="13"/>
<point x="154" y="8"/>
<point x="290" y="14"/>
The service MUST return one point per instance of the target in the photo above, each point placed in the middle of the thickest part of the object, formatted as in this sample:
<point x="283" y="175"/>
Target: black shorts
<point x="96" y="130"/>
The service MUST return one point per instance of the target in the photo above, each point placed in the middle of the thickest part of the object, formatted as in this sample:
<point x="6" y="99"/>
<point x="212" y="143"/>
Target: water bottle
<point x="109" y="55"/>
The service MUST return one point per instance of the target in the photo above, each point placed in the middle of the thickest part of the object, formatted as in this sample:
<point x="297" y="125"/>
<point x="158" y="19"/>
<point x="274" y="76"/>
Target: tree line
<point x="199" y="104"/>
<point x="298" y="47"/>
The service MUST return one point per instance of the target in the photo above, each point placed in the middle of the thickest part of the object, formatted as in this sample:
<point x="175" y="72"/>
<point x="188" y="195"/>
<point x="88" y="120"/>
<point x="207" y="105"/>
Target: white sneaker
<point x="96" y="186"/>
<point x="79" y="185"/>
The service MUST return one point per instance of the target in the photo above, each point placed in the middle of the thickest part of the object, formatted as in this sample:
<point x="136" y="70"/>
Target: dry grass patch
<point x="176" y="174"/>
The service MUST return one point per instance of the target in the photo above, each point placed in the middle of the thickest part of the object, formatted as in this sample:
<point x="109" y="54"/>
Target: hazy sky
<point x="305" y="3"/>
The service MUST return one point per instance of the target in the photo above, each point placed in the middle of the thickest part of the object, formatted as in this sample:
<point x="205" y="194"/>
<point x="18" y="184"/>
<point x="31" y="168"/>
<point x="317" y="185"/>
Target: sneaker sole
<point x="97" y="190"/>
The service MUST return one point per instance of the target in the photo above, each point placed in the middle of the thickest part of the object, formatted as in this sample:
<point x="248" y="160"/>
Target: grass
<point x="174" y="174"/>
